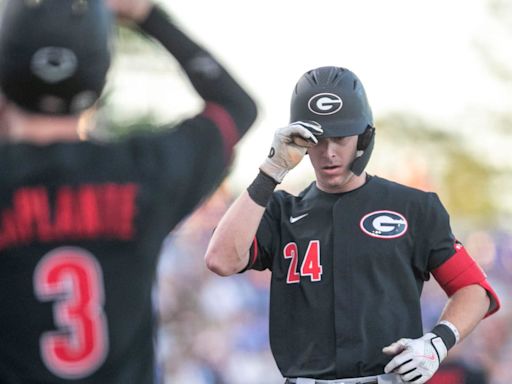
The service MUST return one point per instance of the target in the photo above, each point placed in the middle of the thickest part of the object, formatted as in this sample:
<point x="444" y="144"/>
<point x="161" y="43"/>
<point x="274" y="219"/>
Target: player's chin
<point x="333" y="180"/>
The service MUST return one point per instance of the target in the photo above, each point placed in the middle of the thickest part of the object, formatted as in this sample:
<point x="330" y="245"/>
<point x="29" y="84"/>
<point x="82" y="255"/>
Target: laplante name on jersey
<point x="88" y="211"/>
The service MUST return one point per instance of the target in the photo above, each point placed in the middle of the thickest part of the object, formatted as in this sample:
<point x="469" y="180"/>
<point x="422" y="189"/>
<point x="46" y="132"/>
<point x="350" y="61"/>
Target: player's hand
<point x="416" y="360"/>
<point x="289" y="147"/>
<point x="132" y="10"/>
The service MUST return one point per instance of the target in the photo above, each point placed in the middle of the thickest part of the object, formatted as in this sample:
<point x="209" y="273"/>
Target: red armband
<point x="462" y="270"/>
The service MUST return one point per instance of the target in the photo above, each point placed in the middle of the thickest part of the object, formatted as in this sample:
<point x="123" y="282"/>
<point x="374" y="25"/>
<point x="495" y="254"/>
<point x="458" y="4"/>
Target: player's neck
<point x="21" y="126"/>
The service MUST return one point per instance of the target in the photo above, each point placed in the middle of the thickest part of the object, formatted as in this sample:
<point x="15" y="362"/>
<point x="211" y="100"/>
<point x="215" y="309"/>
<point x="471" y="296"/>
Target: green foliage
<point x="469" y="182"/>
<point x="463" y="180"/>
<point x="471" y="186"/>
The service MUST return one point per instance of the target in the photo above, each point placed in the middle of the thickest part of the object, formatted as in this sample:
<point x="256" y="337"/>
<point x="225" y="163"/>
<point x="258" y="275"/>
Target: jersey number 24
<point x="310" y="264"/>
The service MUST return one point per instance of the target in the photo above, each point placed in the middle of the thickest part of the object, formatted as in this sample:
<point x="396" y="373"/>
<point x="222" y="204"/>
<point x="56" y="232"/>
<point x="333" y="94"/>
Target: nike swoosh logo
<point x="295" y="219"/>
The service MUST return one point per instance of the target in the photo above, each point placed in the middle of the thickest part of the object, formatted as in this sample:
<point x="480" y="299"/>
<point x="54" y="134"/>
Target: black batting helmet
<point x="54" y="54"/>
<point x="335" y="98"/>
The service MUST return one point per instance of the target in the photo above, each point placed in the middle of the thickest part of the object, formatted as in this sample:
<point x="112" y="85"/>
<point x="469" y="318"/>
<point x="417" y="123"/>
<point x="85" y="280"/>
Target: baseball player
<point x="81" y="223"/>
<point x="349" y="255"/>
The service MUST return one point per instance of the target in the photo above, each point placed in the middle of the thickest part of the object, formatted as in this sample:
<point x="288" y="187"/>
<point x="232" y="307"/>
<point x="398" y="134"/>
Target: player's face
<point x="331" y="159"/>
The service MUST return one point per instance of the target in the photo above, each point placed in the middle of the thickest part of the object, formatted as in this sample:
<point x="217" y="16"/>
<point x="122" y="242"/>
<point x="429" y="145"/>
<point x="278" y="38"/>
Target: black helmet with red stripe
<point x="54" y="54"/>
<point x="335" y="98"/>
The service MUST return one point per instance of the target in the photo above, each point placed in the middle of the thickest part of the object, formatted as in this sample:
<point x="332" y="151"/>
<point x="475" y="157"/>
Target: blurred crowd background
<point x="215" y="329"/>
<point x="439" y="78"/>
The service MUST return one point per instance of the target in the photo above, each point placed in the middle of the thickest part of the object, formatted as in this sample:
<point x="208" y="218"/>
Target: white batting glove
<point x="416" y="360"/>
<point x="289" y="147"/>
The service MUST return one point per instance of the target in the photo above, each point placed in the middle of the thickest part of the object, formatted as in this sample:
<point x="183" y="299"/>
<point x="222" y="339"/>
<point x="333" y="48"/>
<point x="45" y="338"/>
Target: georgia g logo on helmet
<point x="325" y="103"/>
<point x="384" y="224"/>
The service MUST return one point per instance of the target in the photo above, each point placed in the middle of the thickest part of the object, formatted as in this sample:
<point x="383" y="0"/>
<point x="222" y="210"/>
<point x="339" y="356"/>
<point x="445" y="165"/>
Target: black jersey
<point x="347" y="274"/>
<point x="81" y="225"/>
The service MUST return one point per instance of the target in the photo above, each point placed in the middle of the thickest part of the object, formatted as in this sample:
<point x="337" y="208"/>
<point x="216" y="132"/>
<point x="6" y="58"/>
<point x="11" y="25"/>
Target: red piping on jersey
<point x="255" y="251"/>
<point x="461" y="270"/>
<point x="226" y="125"/>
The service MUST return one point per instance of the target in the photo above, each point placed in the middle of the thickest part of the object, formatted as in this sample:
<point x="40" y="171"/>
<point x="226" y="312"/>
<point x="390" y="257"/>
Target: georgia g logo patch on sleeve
<point x="384" y="224"/>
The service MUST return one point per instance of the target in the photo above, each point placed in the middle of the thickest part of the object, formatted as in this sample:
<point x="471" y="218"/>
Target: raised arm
<point x="227" y="103"/>
<point x="229" y="248"/>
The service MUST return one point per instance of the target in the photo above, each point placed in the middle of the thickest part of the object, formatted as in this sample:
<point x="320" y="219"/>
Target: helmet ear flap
<point x="365" y="143"/>
<point x="365" y="138"/>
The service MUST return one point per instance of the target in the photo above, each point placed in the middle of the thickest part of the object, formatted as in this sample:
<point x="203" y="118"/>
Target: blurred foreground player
<point x="81" y="223"/>
<point x="350" y="254"/>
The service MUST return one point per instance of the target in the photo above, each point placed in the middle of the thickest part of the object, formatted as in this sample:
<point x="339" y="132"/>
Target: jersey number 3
<point x="72" y="278"/>
<point x="310" y="264"/>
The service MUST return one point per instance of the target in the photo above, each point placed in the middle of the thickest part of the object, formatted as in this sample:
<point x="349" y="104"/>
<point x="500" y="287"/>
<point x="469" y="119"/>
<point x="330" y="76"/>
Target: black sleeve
<point x="180" y="166"/>
<point x="434" y="242"/>
<point x="210" y="79"/>
<point x="441" y="239"/>
<point x="267" y="240"/>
